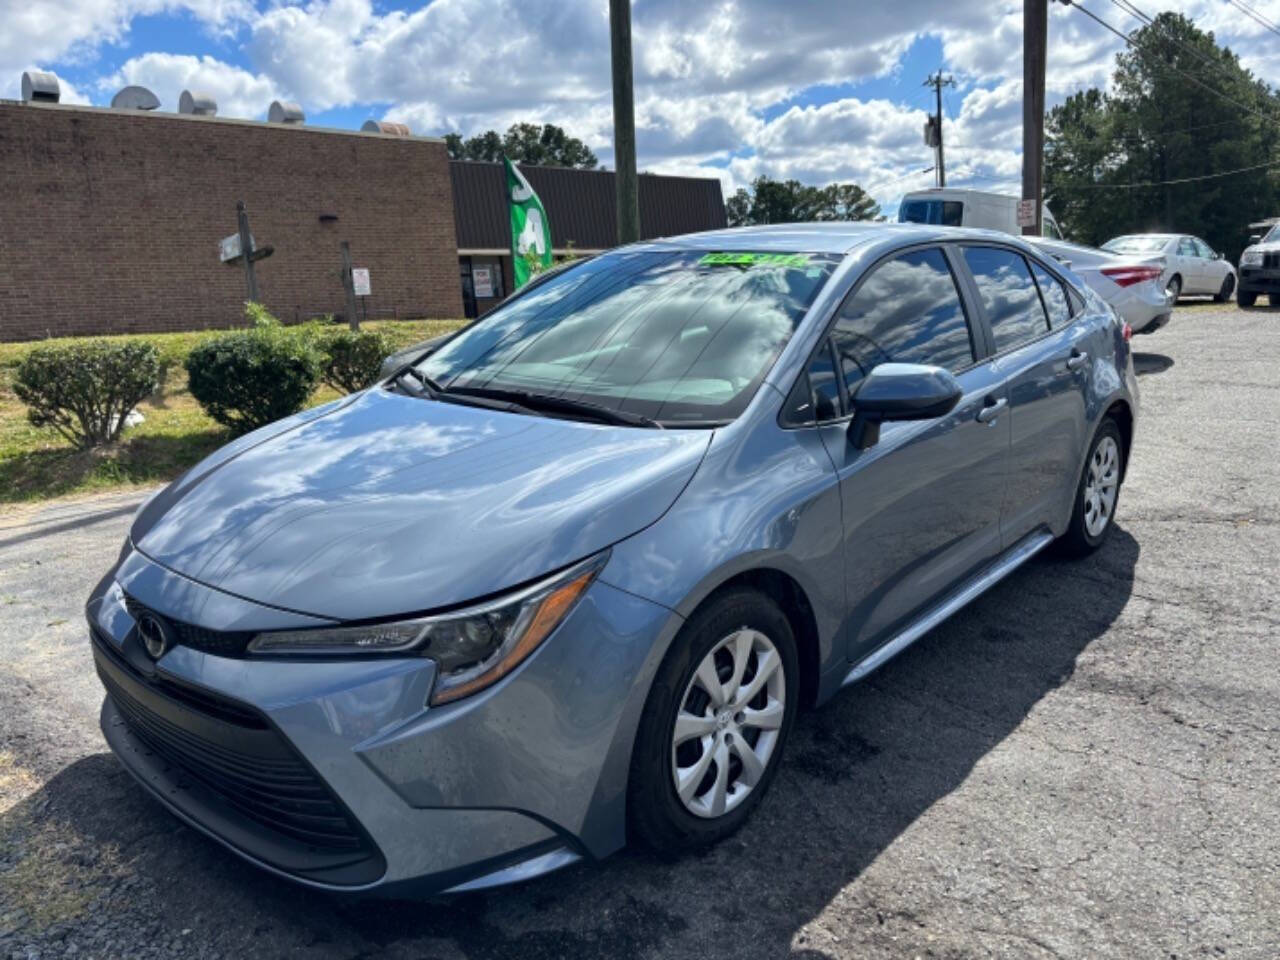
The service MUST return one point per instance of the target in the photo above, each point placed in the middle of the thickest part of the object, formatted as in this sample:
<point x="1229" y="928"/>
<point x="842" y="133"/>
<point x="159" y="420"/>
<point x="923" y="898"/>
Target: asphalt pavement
<point x="1083" y="763"/>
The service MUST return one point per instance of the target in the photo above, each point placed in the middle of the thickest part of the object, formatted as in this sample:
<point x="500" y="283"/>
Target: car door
<point x="1191" y="266"/>
<point x="921" y="508"/>
<point x="1043" y="357"/>
<point x="1213" y="270"/>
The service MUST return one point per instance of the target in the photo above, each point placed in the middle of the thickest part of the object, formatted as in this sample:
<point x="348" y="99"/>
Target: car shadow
<point x="857" y="773"/>
<point x="1145" y="363"/>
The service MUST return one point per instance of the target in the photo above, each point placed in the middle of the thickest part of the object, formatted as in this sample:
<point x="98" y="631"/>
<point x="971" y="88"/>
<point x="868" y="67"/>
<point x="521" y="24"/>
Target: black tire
<point x="656" y="815"/>
<point x="1273" y="299"/>
<point x="1246" y="298"/>
<point x="1078" y="541"/>
<point x="1175" y="289"/>
<point x="1228" y="285"/>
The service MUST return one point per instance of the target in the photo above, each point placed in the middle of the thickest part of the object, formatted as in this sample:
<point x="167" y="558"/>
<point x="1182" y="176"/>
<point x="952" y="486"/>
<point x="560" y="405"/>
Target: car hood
<point x="386" y="504"/>
<point x="1271" y="247"/>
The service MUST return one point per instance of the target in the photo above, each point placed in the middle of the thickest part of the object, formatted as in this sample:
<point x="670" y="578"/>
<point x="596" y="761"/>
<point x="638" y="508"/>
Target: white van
<point x="969" y="208"/>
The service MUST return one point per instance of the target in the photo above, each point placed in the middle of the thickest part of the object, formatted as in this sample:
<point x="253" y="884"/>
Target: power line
<point x="1249" y="11"/>
<point x="1167" y="183"/>
<point x="1270" y="118"/>
<point x="905" y="176"/>
<point x="1132" y="9"/>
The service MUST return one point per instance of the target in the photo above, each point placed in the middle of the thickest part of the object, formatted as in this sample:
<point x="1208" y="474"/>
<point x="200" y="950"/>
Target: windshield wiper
<point x="542" y="401"/>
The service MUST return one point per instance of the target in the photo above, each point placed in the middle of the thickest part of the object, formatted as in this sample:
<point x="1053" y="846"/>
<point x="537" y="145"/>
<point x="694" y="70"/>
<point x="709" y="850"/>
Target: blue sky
<point x="728" y="88"/>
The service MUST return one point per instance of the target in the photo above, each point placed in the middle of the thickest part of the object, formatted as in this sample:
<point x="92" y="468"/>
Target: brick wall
<point x="110" y="220"/>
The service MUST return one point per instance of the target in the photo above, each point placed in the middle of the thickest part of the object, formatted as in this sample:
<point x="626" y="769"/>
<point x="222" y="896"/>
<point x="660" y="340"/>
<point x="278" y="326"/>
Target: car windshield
<point x="1272" y="234"/>
<point x="942" y="213"/>
<point x="682" y="337"/>
<point x="1136" y="244"/>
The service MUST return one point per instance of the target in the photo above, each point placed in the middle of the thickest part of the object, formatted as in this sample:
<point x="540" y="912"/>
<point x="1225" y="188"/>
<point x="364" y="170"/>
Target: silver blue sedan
<point x="565" y="580"/>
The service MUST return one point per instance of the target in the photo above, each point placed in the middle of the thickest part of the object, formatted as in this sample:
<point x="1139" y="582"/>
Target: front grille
<point x="252" y="769"/>
<point x="222" y="643"/>
<point x="1271" y="260"/>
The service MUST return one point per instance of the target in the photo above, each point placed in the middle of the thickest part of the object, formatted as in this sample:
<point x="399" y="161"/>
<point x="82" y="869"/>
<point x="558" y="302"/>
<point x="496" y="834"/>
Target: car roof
<point x="836" y="236"/>
<point x="1151" y="236"/>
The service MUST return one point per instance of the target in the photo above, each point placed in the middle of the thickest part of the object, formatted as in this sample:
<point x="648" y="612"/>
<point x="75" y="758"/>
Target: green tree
<point x="1158" y="124"/>
<point x="546" y="145"/>
<point x="790" y="201"/>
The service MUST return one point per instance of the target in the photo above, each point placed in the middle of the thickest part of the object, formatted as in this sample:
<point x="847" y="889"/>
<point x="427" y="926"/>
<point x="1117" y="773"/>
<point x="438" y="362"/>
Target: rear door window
<point x="1008" y="294"/>
<point x="908" y="310"/>
<point x="1054" y="296"/>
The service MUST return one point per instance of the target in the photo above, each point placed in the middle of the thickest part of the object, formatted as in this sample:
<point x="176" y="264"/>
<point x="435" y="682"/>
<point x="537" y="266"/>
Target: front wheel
<point x="1228" y="285"/>
<point x="1246" y="298"/>
<point x="1097" y="493"/>
<point x="713" y="728"/>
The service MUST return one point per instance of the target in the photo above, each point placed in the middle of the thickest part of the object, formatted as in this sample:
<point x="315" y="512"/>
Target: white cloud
<point x="238" y="92"/>
<point x="706" y="74"/>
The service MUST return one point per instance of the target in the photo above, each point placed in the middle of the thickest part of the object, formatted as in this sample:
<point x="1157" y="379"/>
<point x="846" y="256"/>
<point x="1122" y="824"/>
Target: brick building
<point x="110" y="219"/>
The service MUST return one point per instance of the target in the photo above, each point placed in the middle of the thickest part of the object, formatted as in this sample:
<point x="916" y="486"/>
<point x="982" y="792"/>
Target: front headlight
<point x="1251" y="258"/>
<point x="473" y="647"/>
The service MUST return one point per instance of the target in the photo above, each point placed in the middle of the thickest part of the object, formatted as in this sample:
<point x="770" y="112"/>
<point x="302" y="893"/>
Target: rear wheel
<point x="1097" y="493"/>
<point x="1246" y="299"/>
<point x="1174" y="289"/>
<point x="713" y="728"/>
<point x="1273" y="299"/>
<point x="1228" y="285"/>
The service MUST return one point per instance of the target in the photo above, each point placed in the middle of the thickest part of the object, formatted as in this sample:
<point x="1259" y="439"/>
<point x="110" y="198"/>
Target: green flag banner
<point x="530" y="228"/>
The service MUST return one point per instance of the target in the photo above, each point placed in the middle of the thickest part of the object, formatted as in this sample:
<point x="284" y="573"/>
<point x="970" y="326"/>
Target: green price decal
<point x="754" y="260"/>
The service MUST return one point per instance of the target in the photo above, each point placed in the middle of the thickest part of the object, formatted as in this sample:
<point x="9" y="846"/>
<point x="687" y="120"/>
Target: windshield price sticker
<point x="754" y="260"/>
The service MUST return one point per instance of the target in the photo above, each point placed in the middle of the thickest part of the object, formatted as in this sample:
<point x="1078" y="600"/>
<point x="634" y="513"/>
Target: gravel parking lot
<point x="1085" y="762"/>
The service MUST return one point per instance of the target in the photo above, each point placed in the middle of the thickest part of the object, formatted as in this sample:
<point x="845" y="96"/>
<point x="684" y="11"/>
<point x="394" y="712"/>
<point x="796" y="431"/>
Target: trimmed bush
<point x="354" y="358"/>
<point x="250" y="378"/>
<point x="84" y="390"/>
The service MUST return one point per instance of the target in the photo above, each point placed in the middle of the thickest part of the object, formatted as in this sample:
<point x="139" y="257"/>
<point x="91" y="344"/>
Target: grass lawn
<point x="36" y="463"/>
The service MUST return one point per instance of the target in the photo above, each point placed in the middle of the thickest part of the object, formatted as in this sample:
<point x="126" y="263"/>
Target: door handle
<point x="1077" y="359"/>
<point x="992" y="409"/>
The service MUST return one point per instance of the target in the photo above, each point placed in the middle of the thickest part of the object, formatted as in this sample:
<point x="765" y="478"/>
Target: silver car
<point x="1132" y="284"/>
<point x="566" y="579"/>
<point x="1192" y="267"/>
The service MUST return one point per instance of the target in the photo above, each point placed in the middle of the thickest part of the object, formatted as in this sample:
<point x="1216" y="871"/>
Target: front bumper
<point x="1259" y="280"/>
<point x="517" y="780"/>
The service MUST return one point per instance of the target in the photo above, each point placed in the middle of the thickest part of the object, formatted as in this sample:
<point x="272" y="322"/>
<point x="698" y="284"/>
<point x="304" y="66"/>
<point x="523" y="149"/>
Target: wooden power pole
<point x="348" y="285"/>
<point x="933" y="132"/>
<point x="624" y="122"/>
<point x="1035" y="41"/>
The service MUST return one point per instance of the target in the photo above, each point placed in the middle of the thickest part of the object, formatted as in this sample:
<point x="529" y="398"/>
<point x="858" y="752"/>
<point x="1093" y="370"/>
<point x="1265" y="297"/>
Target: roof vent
<point x="285" y="112"/>
<point x="387" y="127"/>
<point x="40" y="87"/>
<point x="135" y="98"/>
<point x="197" y="103"/>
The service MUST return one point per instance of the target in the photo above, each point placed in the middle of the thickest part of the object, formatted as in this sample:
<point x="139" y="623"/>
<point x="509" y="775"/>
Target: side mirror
<point x="1256" y="238"/>
<point x="1217" y="255"/>
<point x="900" y="391"/>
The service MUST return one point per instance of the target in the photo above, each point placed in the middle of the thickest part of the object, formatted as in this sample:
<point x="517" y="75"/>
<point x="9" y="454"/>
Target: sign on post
<point x="229" y="247"/>
<point x="360" y="281"/>
<point x="1026" y="213"/>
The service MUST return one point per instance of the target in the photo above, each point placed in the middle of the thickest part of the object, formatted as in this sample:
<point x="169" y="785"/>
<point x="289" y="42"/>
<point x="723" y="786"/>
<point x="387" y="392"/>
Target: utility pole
<point x="246" y="250"/>
<point x="624" y="122"/>
<point x="1035" y="41"/>
<point x="933" y="129"/>
<point x="348" y="285"/>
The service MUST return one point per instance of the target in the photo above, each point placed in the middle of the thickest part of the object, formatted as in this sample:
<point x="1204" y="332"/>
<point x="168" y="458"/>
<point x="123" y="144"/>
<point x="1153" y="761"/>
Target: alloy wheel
<point x="1101" y="484"/>
<point x="727" y="724"/>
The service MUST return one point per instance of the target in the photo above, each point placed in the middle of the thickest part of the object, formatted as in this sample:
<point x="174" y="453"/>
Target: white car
<point x="1132" y="285"/>
<point x="1192" y="266"/>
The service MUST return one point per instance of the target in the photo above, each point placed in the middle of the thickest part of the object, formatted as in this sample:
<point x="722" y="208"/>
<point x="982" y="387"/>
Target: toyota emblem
<point x="155" y="637"/>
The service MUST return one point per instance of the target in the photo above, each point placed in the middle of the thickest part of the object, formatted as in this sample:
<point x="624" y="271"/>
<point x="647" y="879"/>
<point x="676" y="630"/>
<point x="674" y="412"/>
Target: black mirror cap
<point x="900" y="391"/>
